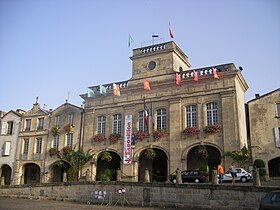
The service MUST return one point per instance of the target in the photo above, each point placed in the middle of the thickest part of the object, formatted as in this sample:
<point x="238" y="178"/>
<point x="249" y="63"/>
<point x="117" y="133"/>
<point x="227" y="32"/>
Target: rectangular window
<point x="70" y="119"/>
<point x="10" y="127"/>
<point x="69" y="140"/>
<point x="277" y="137"/>
<point x="27" y="124"/>
<point x="25" y="146"/>
<point x="141" y="122"/>
<point x="191" y="116"/>
<point x="6" y="148"/>
<point x="57" y="121"/>
<point x="212" y="113"/>
<point x="117" y="124"/>
<point x="40" y="124"/>
<point x="161" y="119"/>
<point x="101" y="123"/>
<point x="277" y="109"/>
<point x="56" y="141"/>
<point x="38" y="145"/>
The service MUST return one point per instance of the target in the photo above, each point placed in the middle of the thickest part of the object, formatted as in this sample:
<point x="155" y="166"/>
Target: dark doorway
<point x="31" y="173"/>
<point x="203" y="156"/>
<point x="58" y="170"/>
<point x="108" y="169"/>
<point x="6" y="174"/>
<point x="156" y="166"/>
<point x="274" y="167"/>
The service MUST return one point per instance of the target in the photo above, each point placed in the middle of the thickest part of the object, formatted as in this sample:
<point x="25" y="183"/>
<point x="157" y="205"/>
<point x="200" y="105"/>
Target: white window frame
<point x="101" y="124"/>
<point x="277" y="137"/>
<point x="277" y="109"/>
<point x="141" y="122"/>
<point x="161" y="119"/>
<point x="25" y="146"/>
<point x="212" y="113"/>
<point x="191" y="116"/>
<point x="27" y="124"/>
<point x="39" y="142"/>
<point x="69" y="140"/>
<point x="55" y="141"/>
<point x="6" y="148"/>
<point x="40" y="123"/>
<point x="70" y="118"/>
<point x="117" y="124"/>
<point x="57" y="121"/>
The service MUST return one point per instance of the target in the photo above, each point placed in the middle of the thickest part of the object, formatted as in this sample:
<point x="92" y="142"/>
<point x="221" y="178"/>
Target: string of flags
<point x="146" y="84"/>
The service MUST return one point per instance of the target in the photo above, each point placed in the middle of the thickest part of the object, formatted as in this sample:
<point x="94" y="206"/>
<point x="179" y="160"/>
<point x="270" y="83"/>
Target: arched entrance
<point x="203" y="156"/>
<point x="6" y="174"/>
<point x="274" y="167"/>
<point x="58" y="169"/>
<point x="31" y="173"/>
<point x="107" y="168"/>
<point x="155" y="160"/>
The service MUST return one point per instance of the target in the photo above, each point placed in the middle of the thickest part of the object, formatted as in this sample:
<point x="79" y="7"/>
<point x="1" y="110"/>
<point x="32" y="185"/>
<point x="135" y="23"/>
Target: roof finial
<point x="37" y="98"/>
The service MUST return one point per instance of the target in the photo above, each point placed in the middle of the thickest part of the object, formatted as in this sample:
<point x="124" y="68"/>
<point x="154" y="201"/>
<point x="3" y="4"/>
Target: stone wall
<point x="202" y="196"/>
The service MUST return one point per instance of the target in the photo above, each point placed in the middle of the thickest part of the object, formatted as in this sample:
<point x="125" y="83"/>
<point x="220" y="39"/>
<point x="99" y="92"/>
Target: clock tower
<point x="157" y="62"/>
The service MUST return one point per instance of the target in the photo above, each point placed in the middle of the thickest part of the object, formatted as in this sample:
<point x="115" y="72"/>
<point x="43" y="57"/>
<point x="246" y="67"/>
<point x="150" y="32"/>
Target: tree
<point x="75" y="159"/>
<point x="239" y="156"/>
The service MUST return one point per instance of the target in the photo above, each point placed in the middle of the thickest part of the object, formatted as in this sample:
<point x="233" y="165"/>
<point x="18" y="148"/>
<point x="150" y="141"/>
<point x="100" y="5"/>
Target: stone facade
<point x="10" y="127"/>
<point x="264" y="124"/>
<point x="172" y="108"/>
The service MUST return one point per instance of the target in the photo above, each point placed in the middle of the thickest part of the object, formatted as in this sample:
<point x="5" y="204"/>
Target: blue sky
<point x="55" y="49"/>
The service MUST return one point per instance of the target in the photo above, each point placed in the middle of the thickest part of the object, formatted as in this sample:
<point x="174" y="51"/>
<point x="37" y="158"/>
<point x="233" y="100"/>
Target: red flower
<point x="189" y="132"/>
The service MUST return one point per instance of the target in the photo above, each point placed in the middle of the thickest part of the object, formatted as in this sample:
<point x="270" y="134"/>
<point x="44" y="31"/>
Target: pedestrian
<point x="233" y="173"/>
<point x="220" y="173"/>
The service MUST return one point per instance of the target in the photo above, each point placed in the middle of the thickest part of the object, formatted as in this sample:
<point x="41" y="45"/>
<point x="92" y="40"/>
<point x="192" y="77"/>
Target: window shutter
<point x="277" y="137"/>
<point x="7" y="148"/>
<point x="4" y="128"/>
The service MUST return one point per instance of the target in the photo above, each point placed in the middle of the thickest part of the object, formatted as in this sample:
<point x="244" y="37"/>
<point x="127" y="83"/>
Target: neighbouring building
<point x="10" y="127"/>
<point x="65" y="131"/>
<point x="264" y="130"/>
<point x="186" y="126"/>
<point x="33" y="136"/>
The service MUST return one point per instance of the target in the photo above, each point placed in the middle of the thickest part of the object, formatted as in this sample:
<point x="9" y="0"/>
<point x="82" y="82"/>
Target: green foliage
<point x="239" y="156"/>
<point x="150" y="153"/>
<point x="203" y="168"/>
<point x="106" y="156"/>
<point x="106" y="175"/>
<point x="54" y="152"/>
<point x="259" y="163"/>
<point x="262" y="172"/>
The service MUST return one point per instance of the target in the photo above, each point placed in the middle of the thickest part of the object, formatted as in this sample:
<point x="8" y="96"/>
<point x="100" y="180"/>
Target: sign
<point x="127" y="139"/>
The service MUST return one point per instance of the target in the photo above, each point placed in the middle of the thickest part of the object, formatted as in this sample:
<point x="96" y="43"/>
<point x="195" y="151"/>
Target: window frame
<point x="27" y="124"/>
<point x="101" y="124"/>
<point x="70" y="118"/>
<point x="69" y="141"/>
<point x="161" y="119"/>
<point x="39" y="143"/>
<point x="40" y="123"/>
<point x="212" y="116"/>
<point x="117" y="124"/>
<point x="141" y="122"/>
<point x="55" y="143"/>
<point x="191" y="117"/>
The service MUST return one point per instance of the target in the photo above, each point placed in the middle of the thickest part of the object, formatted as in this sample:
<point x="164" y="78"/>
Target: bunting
<point x="116" y="90"/>
<point x="195" y="75"/>
<point x="178" y="79"/>
<point x="215" y="75"/>
<point x="90" y="93"/>
<point x="102" y="90"/>
<point x="146" y="85"/>
<point x="170" y="31"/>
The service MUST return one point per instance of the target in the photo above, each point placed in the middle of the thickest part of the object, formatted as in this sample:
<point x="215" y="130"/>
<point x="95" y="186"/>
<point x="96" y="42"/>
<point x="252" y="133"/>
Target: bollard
<point x="178" y="176"/>
<point x="119" y="175"/>
<point x="2" y="180"/>
<point x="147" y="175"/>
<point x="257" y="181"/>
<point x="88" y="175"/>
<point x="64" y="176"/>
<point x="214" y="177"/>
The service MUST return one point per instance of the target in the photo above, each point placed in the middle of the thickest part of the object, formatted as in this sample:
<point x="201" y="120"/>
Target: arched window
<point x="191" y="116"/>
<point x="161" y="119"/>
<point x="117" y="124"/>
<point x="212" y="113"/>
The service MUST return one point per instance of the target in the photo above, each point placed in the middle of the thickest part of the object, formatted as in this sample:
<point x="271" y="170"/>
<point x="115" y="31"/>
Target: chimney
<point x="257" y="95"/>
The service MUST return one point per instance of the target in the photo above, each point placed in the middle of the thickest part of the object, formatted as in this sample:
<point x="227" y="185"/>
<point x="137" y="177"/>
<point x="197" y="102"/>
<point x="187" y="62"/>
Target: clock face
<point x="152" y="65"/>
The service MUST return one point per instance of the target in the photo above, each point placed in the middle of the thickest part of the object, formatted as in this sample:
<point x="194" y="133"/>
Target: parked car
<point x="189" y="176"/>
<point x="271" y="201"/>
<point x="242" y="175"/>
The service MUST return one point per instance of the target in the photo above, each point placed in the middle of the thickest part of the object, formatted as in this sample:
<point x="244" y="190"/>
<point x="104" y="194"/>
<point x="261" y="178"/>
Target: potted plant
<point x="141" y="135"/>
<point x="67" y="128"/>
<point x="212" y="129"/>
<point x="106" y="156"/>
<point x="189" y="132"/>
<point x="53" y="152"/>
<point x="150" y="153"/>
<point x="202" y="151"/>
<point x="114" y="138"/>
<point x="158" y="134"/>
<point x="99" y="137"/>
<point x="54" y="131"/>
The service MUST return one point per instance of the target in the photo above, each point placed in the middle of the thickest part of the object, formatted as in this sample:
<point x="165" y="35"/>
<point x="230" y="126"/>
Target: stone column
<point x="178" y="176"/>
<point x="119" y="175"/>
<point x="214" y="177"/>
<point x="2" y="181"/>
<point x="147" y="176"/>
<point x="64" y="176"/>
<point x="87" y="175"/>
<point x="257" y="181"/>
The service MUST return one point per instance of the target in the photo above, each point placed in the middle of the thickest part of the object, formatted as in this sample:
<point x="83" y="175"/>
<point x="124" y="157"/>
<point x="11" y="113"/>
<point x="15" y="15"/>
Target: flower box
<point x="212" y="129"/>
<point x="99" y="138"/>
<point x="141" y="135"/>
<point x="189" y="132"/>
<point x="158" y="134"/>
<point x="114" y="138"/>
